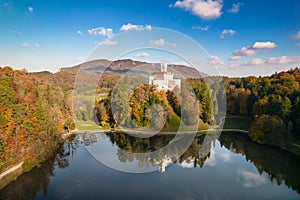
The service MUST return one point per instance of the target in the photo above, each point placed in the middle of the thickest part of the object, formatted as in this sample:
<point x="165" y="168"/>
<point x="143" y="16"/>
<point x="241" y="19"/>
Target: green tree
<point x="261" y="106"/>
<point x="8" y="96"/>
<point x="270" y="130"/>
<point x="285" y="108"/>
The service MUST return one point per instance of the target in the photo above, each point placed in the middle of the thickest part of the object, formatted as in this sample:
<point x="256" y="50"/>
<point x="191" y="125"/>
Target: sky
<point x="240" y="37"/>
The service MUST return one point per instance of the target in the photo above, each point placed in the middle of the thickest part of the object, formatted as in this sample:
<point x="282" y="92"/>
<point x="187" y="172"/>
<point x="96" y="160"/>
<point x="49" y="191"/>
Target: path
<point x="10" y="170"/>
<point x="296" y="145"/>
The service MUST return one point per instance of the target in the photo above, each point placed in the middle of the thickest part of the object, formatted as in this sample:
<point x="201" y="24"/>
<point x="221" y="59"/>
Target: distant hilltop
<point x="127" y="65"/>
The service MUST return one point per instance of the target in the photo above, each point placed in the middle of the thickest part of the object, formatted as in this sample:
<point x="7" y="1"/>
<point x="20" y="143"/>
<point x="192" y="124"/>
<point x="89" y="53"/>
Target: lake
<point x="228" y="166"/>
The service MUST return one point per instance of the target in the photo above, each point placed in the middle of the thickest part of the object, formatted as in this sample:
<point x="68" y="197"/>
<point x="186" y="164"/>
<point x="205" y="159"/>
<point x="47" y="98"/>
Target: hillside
<point x="34" y="113"/>
<point x="123" y="66"/>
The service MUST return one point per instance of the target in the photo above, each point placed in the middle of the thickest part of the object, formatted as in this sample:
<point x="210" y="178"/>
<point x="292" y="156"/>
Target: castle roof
<point x="161" y="72"/>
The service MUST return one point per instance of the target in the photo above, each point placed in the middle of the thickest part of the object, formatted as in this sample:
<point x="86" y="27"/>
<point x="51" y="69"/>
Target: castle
<point x="163" y="79"/>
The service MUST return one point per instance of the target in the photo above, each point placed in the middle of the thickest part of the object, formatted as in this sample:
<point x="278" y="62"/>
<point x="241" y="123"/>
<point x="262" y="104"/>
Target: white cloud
<point x="245" y="51"/>
<point x="129" y="26"/>
<point x="148" y="27"/>
<point x="227" y="32"/>
<point x="298" y="44"/>
<point x="37" y="45"/>
<point x="235" y="58"/>
<point x="108" y="32"/>
<point x="109" y="42"/>
<point x="159" y="42"/>
<point x="205" y="28"/>
<point x="216" y="60"/>
<point x="250" y="179"/>
<point x="235" y="8"/>
<point x="162" y="42"/>
<point x="256" y="61"/>
<point x="296" y="36"/>
<point x="249" y="51"/>
<point x="205" y="9"/>
<point x="30" y="9"/>
<point x="173" y="45"/>
<point x="142" y="55"/>
<point x="8" y="5"/>
<point x="264" y="45"/>
<point x="284" y="60"/>
<point x="28" y="44"/>
<point x="80" y="58"/>
<point x="79" y="32"/>
<point x="25" y="44"/>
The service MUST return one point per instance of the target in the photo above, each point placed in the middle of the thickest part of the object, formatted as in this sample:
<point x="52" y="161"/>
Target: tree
<point x="203" y="95"/>
<point x="8" y="96"/>
<point x="285" y="110"/>
<point x="120" y="102"/>
<point x="243" y="102"/>
<point x="271" y="130"/>
<point x="261" y="106"/>
<point x="174" y="102"/>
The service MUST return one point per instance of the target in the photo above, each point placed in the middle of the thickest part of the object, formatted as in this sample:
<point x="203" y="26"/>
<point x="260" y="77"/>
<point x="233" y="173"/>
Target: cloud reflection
<point x="211" y="161"/>
<point x="250" y="179"/>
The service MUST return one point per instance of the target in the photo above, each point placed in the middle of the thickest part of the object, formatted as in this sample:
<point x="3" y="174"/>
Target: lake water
<point x="225" y="167"/>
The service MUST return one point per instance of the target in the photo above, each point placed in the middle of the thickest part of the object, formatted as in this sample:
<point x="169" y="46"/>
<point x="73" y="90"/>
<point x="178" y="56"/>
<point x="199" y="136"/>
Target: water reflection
<point x="250" y="179"/>
<point x="132" y="149"/>
<point x="88" y="138"/>
<point x="37" y="180"/>
<point x="280" y="166"/>
<point x="225" y="168"/>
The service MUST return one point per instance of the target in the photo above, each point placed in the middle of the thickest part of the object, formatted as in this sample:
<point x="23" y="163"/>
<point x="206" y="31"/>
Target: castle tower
<point x="163" y="67"/>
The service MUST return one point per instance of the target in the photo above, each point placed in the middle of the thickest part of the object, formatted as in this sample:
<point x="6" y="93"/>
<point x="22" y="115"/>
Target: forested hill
<point x="33" y="115"/>
<point x="35" y="108"/>
<point x="273" y="103"/>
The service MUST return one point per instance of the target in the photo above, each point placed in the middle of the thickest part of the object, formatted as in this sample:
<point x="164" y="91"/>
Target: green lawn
<point x="89" y="97"/>
<point x="237" y="122"/>
<point x="174" y="122"/>
<point x="202" y="126"/>
<point x="294" y="147"/>
<point x="87" y="125"/>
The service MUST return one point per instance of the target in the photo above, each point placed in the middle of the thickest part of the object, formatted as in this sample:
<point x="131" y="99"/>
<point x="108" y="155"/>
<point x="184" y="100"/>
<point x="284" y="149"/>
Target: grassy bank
<point x="237" y="122"/>
<point x="87" y="125"/>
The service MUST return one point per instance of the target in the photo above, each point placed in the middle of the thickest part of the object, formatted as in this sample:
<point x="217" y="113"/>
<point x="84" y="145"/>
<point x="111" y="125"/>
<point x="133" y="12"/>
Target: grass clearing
<point x="174" y="122"/>
<point x="237" y="122"/>
<point x="87" y="125"/>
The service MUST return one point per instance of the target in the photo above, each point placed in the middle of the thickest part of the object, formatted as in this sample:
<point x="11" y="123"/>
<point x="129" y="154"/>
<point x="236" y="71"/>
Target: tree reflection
<point x="138" y="149"/>
<point x="29" y="184"/>
<point x="280" y="165"/>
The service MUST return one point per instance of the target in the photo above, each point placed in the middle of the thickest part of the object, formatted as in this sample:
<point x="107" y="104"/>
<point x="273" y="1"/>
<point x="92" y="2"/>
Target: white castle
<point x="163" y="79"/>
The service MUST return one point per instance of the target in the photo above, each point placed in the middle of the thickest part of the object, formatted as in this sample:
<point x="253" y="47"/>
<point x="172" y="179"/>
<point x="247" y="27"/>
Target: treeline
<point x="144" y="106"/>
<point x="33" y="115"/>
<point x="272" y="102"/>
<point x="133" y="108"/>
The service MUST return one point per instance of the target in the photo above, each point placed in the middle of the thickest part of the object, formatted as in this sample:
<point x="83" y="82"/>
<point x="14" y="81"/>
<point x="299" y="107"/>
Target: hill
<point x="126" y="65"/>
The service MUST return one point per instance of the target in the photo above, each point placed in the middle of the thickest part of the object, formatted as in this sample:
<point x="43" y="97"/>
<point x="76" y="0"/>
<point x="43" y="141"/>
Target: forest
<point x="35" y="109"/>
<point x="272" y="104"/>
<point x="33" y="115"/>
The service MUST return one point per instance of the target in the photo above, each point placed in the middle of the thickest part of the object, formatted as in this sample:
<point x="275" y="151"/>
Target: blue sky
<point x="253" y="37"/>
